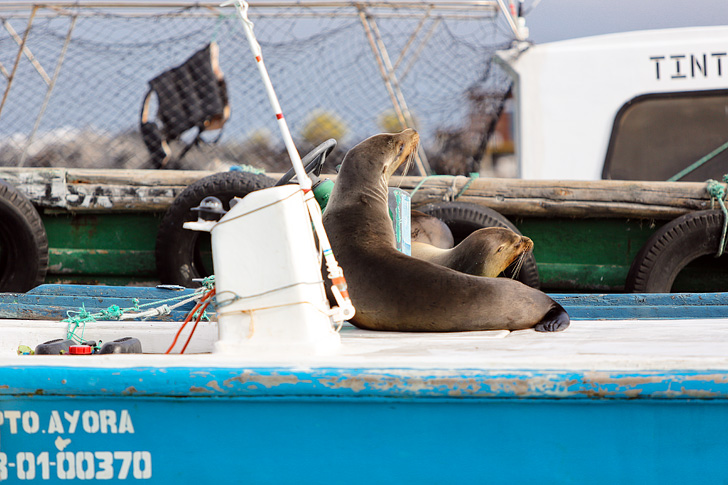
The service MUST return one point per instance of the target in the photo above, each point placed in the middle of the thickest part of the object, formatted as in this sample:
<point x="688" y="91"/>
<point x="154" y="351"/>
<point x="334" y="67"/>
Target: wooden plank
<point x="645" y="306"/>
<point x="154" y="190"/>
<point x="636" y="299"/>
<point x="55" y="301"/>
<point x="141" y="292"/>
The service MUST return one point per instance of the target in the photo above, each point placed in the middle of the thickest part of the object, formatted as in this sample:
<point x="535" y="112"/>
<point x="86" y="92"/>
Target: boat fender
<point x="463" y="218"/>
<point x="23" y="242"/>
<point x="126" y="345"/>
<point x="671" y="248"/>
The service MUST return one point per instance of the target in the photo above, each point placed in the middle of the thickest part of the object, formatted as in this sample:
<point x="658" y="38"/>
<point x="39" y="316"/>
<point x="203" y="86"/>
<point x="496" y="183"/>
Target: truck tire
<point x="671" y="248"/>
<point x="23" y="242"/>
<point x="178" y="256"/>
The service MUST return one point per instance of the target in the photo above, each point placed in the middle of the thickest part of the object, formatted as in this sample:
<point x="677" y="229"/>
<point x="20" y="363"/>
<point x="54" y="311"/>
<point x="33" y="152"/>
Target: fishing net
<point x="75" y="96"/>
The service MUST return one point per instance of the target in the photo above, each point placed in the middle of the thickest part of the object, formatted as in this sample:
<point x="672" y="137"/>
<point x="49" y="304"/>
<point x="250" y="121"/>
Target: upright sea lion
<point x="485" y="252"/>
<point x="392" y="291"/>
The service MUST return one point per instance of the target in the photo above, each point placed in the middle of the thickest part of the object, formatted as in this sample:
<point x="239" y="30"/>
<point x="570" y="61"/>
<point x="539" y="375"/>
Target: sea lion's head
<point x="508" y="248"/>
<point x="490" y="251"/>
<point x="379" y="156"/>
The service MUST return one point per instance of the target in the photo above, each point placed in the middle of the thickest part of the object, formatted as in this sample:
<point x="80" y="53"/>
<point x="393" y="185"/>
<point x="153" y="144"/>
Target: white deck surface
<point x="585" y="345"/>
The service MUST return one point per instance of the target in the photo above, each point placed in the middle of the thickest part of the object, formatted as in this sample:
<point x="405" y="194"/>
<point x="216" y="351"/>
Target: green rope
<point x="717" y="191"/>
<point x="78" y="319"/>
<point x="208" y="282"/>
<point x="700" y="162"/>
<point x="218" y="23"/>
<point x="473" y="176"/>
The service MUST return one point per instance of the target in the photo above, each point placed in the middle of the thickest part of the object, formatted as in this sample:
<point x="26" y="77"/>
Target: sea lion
<point x="485" y="252"/>
<point x="431" y="230"/>
<point x="395" y="292"/>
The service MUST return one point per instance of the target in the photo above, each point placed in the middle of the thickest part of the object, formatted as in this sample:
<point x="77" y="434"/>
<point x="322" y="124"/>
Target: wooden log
<point x="548" y="198"/>
<point x="154" y="190"/>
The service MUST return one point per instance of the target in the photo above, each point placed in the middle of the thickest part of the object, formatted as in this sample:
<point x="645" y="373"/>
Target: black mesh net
<point x="78" y="90"/>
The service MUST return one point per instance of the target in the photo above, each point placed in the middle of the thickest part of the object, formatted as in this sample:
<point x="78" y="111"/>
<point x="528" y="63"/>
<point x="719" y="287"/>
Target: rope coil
<point x="717" y="192"/>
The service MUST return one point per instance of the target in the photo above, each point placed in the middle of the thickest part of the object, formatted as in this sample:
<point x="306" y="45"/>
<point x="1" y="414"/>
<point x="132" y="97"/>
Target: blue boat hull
<point x="185" y="425"/>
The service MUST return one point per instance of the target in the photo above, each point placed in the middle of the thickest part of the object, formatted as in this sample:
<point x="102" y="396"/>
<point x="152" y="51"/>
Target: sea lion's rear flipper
<point x="555" y="320"/>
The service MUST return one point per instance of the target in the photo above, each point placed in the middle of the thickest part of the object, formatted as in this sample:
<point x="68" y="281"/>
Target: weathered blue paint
<point x="280" y="439"/>
<point x="53" y="302"/>
<point x="644" y="306"/>
<point x="358" y="384"/>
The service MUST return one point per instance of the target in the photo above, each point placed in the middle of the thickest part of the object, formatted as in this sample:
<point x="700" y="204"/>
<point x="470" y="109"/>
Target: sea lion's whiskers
<point x="518" y="265"/>
<point x="376" y="193"/>
<point x="408" y="164"/>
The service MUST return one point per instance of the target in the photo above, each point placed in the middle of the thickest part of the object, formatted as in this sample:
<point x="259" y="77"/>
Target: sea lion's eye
<point x="500" y="248"/>
<point x="401" y="149"/>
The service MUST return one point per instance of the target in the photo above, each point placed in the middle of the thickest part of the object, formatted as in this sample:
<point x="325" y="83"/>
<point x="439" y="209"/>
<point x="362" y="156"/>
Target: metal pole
<point x="49" y="91"/>
<point x="4" y="71"/>
<point x="412" y="37"/>
<point x="339" y="286"/>
<point x="422" y="45"/>
<point x="509" y="18"/>
<point x="17" y="59"/>
<point x="303" y="179"/>
<point x="416" y="5"/>
<point x="27" y="52"/>
<point x="390" y="80"/>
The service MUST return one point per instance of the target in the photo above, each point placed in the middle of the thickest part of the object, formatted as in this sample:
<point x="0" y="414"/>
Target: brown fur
<point x="485" y="252"/>
<point x="392" y="291"/>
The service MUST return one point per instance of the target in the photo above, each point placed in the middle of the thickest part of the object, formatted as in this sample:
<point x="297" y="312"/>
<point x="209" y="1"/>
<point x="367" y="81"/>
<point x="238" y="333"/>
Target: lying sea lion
<point x="431" y="230"/>
<point x="395" y="292"/>
<point x="485" y="252"/>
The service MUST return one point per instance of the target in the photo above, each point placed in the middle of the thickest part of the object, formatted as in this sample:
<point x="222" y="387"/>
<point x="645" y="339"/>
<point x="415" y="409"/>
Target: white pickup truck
<point x="633" y="106"/>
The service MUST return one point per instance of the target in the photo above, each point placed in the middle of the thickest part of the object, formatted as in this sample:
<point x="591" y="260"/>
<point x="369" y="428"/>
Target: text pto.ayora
<point x="62" y="422"/>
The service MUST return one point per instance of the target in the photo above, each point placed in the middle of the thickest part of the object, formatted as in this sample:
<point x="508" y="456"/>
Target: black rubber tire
<point x="463" y="218"/>
<point x="23" y="242"/>
<point x="671" y="248"/>
<point x="177" y="250"/>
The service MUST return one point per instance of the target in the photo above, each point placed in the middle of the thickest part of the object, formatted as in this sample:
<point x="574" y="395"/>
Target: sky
<point x="552" y="20"/>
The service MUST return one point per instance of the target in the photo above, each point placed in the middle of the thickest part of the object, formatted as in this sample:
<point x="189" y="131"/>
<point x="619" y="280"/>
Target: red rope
<point x="204" y="300"/>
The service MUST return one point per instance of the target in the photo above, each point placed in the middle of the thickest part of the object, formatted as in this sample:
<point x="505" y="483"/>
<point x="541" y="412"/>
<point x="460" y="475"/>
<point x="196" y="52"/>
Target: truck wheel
<point x="179" y="254"/>
<point x="671" y="248"/>
<point x="23" y="242"/>
<point x="463" y="218"/>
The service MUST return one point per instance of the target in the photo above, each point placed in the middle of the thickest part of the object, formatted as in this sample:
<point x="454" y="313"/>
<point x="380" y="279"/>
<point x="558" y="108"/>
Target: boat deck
<point x="586" y="344"/>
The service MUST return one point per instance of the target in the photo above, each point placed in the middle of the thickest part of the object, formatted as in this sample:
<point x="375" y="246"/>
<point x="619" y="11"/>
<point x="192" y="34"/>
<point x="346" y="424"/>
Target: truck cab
<point x="642" y="105"/>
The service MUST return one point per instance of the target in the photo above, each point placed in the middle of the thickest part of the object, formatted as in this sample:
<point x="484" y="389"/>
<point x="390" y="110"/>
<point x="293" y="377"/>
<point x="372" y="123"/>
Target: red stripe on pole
<point x="279" y="116"/>
<point x="258" y="58"/>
